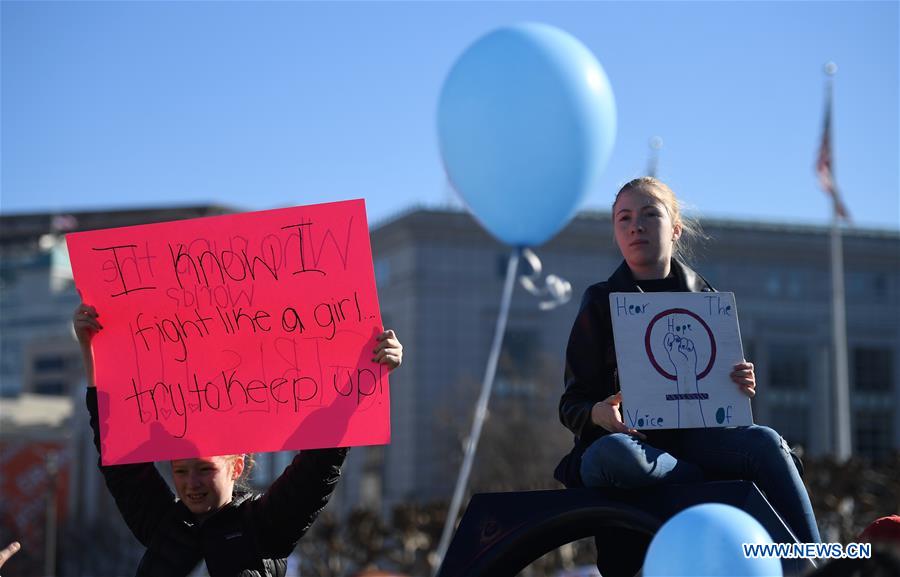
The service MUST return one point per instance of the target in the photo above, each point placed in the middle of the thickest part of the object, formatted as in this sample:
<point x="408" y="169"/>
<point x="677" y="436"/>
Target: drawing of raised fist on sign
<point x="683" y="355"/>
<point x="681" y="347"/>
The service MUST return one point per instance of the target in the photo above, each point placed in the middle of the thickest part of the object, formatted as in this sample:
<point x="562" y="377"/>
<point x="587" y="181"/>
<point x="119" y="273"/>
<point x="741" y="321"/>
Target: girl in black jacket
<point x="237" y="532"/>
<point x="648" y="226"/>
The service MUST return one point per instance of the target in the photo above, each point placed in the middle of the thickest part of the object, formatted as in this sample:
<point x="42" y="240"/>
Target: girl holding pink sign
<point x="215" y="517"/>
<point x="648" y="229"/>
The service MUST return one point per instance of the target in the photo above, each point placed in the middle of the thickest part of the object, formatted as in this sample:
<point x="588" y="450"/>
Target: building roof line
<point x="706" y="222"/>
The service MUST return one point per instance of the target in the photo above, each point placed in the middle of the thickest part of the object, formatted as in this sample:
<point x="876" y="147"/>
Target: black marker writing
<point x="303" y="268"/>
<point x="120" y="269"/>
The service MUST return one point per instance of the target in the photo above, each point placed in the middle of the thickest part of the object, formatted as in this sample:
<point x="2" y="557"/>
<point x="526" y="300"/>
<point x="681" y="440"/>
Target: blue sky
<point x="262" y="105"/>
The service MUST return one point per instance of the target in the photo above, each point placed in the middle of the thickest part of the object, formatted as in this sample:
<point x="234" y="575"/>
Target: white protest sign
<point x="675" y="352"/>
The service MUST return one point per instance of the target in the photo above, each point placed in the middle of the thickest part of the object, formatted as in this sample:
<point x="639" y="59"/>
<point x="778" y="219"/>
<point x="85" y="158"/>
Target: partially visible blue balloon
<point x="707" y="540"/>
<point x="526" y="123"/>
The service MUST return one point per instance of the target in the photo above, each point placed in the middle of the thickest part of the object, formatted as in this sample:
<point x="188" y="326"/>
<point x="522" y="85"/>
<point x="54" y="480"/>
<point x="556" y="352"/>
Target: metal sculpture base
<point x="502" y="533"/>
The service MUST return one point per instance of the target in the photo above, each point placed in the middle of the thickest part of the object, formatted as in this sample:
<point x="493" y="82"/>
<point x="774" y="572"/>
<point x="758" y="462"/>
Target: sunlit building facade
<point x="440" y="277"/>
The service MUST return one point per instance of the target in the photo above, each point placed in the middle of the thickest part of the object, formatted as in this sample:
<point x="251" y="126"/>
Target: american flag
<point x="824" y="164"/>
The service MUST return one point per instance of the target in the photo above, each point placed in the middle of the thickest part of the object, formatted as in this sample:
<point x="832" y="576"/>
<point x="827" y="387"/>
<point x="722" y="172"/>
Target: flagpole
<point x="842" y="438"/>
<point x="655" y="144"/>
<point x="839" y="329"/>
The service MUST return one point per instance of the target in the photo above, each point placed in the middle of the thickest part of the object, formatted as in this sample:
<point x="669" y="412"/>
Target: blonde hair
<point x="691" y="232"/>
<point x="244" y="480"/>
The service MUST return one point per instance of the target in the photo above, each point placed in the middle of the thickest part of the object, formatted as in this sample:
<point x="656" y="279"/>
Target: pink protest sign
<point x="235" y="334"/>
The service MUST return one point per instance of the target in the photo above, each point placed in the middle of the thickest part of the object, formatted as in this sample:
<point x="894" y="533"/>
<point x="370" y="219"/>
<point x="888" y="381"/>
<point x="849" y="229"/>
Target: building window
<point x="502" y="265"/>
<point x="880" y="286"/>
<point x="50" y="387"/>
<point x="872" y="432"/>
<point x="872" y="369"/>
<point x="48" y="364"/>
<point x="788" y="366"/>
<point x="518" y="365"/>
<point x="868" y="284"/>
<point x="794" y="284"/>
<point x="382" y="272"/>
<point x="792" y="424"/>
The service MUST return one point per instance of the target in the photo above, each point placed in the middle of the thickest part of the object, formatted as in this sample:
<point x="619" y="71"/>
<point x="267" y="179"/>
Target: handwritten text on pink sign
<point x="236" y="333"/>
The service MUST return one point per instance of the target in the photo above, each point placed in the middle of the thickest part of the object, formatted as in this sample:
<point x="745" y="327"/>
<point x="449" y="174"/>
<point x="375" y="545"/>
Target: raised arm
<point x="140" y="492"/>
<point x="86" y="322"/>
<point x="287" y="510"/>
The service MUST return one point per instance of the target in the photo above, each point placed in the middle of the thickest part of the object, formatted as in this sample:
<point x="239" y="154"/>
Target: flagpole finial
<point x="656" y="143"/>
<point x="830" y="68"/>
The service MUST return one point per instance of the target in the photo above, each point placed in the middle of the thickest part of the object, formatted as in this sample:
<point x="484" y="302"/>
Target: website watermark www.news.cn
<point x="808" y="550"/>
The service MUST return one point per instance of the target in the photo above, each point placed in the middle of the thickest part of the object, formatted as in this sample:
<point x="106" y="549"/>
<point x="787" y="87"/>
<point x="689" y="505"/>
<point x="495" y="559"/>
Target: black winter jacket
<point x="591" y="372"/>
<point x="252" y="536"/>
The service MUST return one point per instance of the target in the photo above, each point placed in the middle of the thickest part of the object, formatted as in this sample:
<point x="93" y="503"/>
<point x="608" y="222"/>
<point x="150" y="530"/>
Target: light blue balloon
<point x="526" y="124"/>
<point x="706" y="540"/>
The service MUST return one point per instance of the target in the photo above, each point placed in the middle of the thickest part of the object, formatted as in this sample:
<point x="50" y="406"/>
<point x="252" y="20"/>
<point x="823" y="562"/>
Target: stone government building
<point x="439" y="277"/>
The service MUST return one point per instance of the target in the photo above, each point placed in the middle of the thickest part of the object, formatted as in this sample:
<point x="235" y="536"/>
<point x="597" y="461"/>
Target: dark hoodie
<point x="591" y="372"/>
<point x="251" y="536"/>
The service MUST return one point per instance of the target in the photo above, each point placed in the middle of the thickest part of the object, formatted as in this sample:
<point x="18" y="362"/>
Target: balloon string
<point x="557" y="288"/>
<point x="480" y="409"/>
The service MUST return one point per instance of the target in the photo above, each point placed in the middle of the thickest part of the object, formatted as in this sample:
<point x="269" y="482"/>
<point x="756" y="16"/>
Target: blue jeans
<point x="753" y="453"/>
